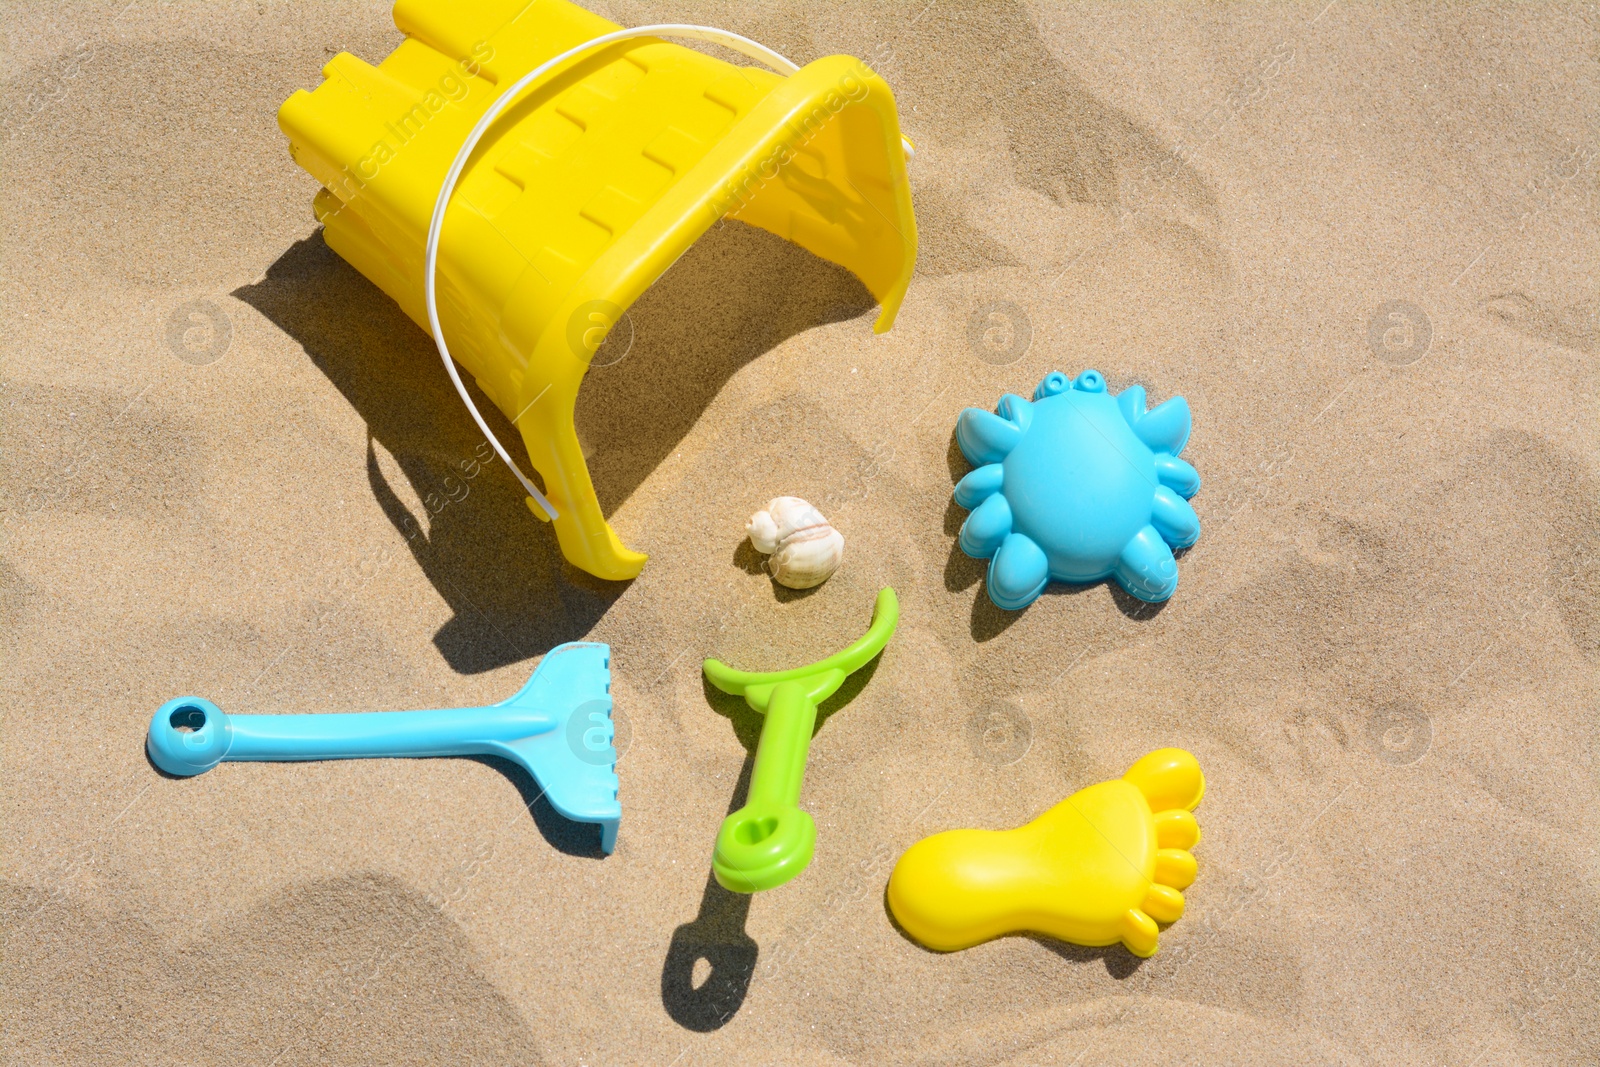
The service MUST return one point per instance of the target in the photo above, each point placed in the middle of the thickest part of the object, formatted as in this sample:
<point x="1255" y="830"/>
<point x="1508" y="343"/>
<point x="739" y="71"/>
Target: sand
<point x="1384" y="650"/>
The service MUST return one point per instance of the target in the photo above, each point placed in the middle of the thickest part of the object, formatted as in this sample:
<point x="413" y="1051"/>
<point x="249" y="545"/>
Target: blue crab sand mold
<point x="1077" y="485"/>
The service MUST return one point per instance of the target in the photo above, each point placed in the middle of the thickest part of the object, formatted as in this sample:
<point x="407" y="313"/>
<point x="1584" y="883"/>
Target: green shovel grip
<point x="770" y="840"/>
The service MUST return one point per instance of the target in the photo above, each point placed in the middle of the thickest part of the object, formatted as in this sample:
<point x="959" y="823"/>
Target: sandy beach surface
<point x="1362" y="240"/>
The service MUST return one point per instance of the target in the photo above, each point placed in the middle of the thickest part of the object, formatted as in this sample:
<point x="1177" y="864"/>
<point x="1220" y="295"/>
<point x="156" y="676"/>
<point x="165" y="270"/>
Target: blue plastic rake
<point x="558" y="728"/>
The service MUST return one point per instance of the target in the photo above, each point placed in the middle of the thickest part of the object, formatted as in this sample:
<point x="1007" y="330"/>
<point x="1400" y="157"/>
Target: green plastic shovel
<point x="770" y="840"/>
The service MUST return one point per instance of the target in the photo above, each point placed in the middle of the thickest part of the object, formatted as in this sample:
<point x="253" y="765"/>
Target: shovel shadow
<point x="715" y="937"/>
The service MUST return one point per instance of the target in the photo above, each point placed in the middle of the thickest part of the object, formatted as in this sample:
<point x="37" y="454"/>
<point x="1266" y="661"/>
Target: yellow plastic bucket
<point x="583" y="193"/>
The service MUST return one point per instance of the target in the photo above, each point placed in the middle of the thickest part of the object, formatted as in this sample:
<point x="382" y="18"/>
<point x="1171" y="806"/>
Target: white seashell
<point x="804" y="549"/>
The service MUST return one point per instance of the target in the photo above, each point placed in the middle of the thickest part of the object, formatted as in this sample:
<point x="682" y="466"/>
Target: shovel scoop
<point x="558" y="728"/>
<point x="770" y="840"/>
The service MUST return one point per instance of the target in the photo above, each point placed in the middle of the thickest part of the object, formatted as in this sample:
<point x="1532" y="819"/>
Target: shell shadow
<point x="747" y="559"/>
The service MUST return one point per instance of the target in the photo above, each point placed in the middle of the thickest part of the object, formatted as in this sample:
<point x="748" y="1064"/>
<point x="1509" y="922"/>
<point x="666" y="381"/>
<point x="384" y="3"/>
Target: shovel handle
<point x="780" y="765"/>
<point x="770" y="840"/>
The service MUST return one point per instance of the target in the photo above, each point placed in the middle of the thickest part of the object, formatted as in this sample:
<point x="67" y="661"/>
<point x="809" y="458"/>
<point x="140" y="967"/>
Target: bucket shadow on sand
<point x="736" y="294"/>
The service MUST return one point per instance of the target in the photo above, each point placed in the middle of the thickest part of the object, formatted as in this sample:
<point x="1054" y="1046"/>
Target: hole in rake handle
<point x="188" y="719"/>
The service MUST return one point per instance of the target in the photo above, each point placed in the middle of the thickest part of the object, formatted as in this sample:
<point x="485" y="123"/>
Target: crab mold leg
<point x="985" y="437"/>
<point x="1174" y="519"/>
<point x="986" y="527"/>
<point x="1146" y="568"/>
<point x="1165" y="428"/>
<point x="1177" y="475"/>
<point x="1019" y="572"/>
<point x="980" y="485"/>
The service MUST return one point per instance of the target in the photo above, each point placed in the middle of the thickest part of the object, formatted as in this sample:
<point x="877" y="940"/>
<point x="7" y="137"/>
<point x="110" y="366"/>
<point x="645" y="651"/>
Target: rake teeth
<point x="575" y="763"/>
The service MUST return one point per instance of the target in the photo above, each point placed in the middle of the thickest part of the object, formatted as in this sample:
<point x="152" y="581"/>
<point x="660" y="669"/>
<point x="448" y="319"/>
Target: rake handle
<point x="191" y="735"/>
<point x="378" y="734"/>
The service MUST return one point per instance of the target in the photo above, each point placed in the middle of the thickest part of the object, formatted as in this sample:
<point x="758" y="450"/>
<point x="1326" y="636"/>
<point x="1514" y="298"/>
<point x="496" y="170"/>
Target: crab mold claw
<point x="1174" y="519"/>
<point x="1164" y="428"/>
<point x="985" y="437"/>
<point x="1014" y="409"/>
<point x="1147" y="568"/>
<point x="1077" y="485"/>
<point x="980" y="485"/>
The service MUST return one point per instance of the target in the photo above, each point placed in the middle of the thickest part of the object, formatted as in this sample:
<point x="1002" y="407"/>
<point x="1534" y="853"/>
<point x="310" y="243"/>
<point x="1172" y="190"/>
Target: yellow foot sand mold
<point x="1104" y="865"/>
